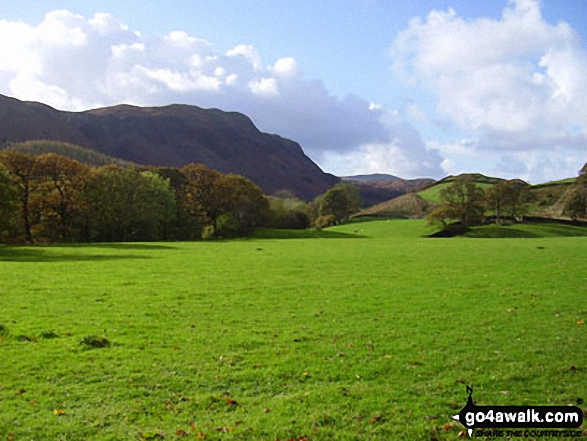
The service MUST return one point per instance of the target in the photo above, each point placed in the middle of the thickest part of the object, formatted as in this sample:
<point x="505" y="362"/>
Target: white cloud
<point x="415" y="113"/>
<point x="286" y="67"/>
<point x="391" y="158"/>
<point x="264" y="86"/>
<point x="126" y="50"/>
<point x="248" y="52"/>
<point x="62" y="28"/>
<point x="231" y="79"/>
<point x="181" y="82"/>
<point x="534" y="166"/>
<point x="517" y="83"/>
<point x="404" y="154"/>
<point x="106" y="24"/>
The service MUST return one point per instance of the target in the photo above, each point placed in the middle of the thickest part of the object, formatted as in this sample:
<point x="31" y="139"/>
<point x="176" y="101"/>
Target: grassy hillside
<point x="85" y="156"/>
<point x="369" y="338"/>
<point x="432" y="193"/>
<point x="405" y="206"/>
<point x="548" y="199"/>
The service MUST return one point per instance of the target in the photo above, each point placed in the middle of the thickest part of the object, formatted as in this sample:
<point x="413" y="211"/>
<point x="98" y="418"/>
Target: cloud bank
<point x="516" y="87"/>
<point x="74" y="63"/>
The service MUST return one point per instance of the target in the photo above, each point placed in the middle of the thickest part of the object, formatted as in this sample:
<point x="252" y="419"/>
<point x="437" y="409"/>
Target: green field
<point x="366" y="331"/>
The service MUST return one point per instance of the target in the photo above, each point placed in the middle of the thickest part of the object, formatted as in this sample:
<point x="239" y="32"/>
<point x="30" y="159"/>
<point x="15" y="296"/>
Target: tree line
<point x="464" y="203"/>
<point x="52" y="198"/>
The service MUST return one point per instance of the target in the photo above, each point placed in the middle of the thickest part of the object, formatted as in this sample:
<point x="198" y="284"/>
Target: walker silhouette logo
<point x="479" y="419"/>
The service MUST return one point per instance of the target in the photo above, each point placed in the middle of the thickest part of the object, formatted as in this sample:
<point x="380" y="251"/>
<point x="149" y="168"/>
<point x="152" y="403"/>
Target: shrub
<point x="325" y="221"/>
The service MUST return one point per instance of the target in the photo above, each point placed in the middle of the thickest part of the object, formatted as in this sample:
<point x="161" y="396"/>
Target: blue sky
<point x="418" y="88"/>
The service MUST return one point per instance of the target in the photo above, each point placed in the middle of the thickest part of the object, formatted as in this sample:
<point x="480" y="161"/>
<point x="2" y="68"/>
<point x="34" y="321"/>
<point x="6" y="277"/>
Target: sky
<point x="422" y="88"/>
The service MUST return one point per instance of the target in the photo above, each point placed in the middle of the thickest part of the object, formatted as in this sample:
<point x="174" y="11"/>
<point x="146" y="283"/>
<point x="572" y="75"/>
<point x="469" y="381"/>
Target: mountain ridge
<point x="172" y="135"/>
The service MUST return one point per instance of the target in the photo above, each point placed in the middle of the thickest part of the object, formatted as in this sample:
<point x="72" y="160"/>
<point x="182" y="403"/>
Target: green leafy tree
<point x="496" y="199"/>
<point x="247" y="207"/>
<point x="443" y="215"/>
<point x="126" y="204"/>
<point x="7" y="201"/>
<point x="340" y="202"/>
<point x="516" y="198"/>
<point x="462" y="201"/>
<point x="509" y="198"/>
<point x="188" y="220"/>
<point x="162" y="203"/>
<point x="287" y="211"/>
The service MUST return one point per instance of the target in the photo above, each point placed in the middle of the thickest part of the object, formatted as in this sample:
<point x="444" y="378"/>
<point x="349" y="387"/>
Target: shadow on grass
<point x="47" y="254"/>
<point x="269" y="233"/>
<point x="527" y="231"/>
<point x="129" y="246"/>
<point x="501" y="233"/>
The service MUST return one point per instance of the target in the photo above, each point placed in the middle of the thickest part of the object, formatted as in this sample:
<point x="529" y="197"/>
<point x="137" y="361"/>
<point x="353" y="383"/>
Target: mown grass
<point x="372" y="338"/>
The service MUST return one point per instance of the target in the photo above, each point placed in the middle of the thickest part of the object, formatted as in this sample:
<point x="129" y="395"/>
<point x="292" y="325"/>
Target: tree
<point x="188" y="221"/>
<point x="162" y="204"/>
<point x="509" y="198"/>
<point x="287" y="211"/>
<point x="246" y="207"/>
<point x="62" y="181"/>
<point x="516" y="197"/>
<point x="340" y="202"/>
<point x="206" y="194"/>
<point x="462" y="200"/>
<point x="126" y="204"/>
<point x="7" y="200"/>
<point x="22" y="169"/>
<point x="496" y="199"/>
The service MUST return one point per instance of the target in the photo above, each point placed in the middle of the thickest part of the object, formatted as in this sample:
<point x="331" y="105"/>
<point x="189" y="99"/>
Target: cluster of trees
<point x="466" y="203"/>
<point x="333" y="207"/>
<point x="51" y="198"/>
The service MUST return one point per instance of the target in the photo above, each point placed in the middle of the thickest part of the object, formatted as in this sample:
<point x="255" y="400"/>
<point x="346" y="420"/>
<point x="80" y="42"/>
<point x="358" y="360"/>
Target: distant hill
<point x="431" y="193"/>
<point x="370" y="178"/>
<point x="406" y="206"/>
<point x="380" y="187"/>
<point x="477" y="177"/>
<point x="548" y="199"/>
<point x="172" y="136"/>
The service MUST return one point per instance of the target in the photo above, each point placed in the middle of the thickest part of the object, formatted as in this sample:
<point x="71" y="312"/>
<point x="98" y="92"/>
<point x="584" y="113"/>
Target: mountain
<point x="173" y="135"/>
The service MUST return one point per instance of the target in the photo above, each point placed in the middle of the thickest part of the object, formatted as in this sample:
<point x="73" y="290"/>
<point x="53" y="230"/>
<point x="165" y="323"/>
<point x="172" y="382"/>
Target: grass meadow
<point x="366" y="331"/>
